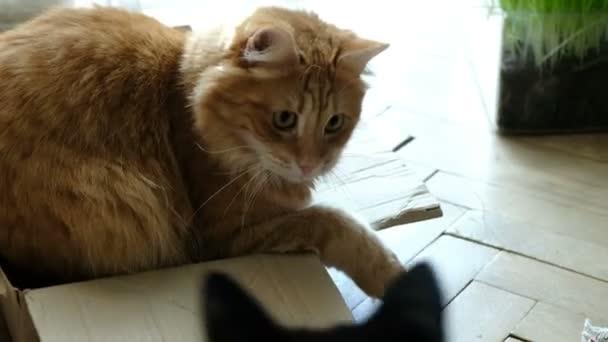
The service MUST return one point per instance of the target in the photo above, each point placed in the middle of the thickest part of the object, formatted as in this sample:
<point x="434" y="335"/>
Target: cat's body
<point x="411" y="311"/>
<point x="126" y="145"/>
<point x="86" y="145"/>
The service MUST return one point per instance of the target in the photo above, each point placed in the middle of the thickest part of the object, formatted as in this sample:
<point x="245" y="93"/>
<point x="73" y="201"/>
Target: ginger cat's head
<point x="283" y="94"/>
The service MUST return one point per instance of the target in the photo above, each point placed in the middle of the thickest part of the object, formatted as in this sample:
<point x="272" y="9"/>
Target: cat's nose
<point x="306" y="168"/>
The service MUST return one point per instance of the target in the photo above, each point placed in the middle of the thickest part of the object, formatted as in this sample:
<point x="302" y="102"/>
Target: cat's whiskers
<point x="237" y="170"/>
<point x="361" y="156"/>
<point x="270" y="179"/>
<point x="255" y="192"/>
<point x="273" y="180"/>
<point x="246" y="185"/>
<point x="216" y="193"/>
<point x="340" y="174"/>
<point x="343" y="186"/>
<point x="337" y="178"/>
<point x="366" y="155"/>
<point x="248" y="200"/>
<point x="226" y="150"/>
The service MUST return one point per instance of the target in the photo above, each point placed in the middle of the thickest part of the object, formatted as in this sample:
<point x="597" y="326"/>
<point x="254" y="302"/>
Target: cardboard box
<point x="164" y="305"/>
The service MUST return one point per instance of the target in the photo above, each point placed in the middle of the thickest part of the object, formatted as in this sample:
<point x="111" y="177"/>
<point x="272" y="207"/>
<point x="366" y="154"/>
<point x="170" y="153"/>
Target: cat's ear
<point x="412" y="306"/>
<point x="232" y="315"/>
<point x="270" y="46"/>
<point x="356" y="52"/>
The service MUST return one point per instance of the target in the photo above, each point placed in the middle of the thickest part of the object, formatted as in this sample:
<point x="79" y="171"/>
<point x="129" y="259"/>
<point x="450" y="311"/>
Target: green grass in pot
<point x="547" y="30"/>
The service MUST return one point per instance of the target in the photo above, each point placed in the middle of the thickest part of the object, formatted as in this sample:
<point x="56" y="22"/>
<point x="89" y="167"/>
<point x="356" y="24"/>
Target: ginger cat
<point x="126" y="145"/>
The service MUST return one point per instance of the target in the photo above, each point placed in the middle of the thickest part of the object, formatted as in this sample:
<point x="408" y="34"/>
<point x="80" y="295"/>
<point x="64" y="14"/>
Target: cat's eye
<point x="285" y="120"/>
<point x="334" y="124"/>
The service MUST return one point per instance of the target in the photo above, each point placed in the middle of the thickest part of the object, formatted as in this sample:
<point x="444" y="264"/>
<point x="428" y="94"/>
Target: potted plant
<point x="13" y="12"/>
<point x="554" y="66"/>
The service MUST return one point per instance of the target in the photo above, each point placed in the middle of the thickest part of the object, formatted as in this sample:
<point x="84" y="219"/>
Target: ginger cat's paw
<point x="368" y="261"/>
<point x="379" y="275"/>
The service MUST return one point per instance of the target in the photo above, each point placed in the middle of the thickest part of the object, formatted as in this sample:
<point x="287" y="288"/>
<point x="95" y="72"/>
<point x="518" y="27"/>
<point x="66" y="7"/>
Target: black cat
<point x="410" y="311"/>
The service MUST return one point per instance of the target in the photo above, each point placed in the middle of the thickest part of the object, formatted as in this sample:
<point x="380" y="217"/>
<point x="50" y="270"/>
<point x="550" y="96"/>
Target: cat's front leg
<point x="339" y="239"/>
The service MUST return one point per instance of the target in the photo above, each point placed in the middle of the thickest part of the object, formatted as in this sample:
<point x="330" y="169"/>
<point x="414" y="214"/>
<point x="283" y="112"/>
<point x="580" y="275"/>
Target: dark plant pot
<point x="570" y="96"/>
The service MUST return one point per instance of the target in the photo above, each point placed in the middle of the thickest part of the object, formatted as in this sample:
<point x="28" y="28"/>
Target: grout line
<point x="443" y="233"/>
<point x="454" y="204"/>
<point x="481" y="243"/>
<point x="535" y="300"/>
<point x="474" y="278"/>
<point x="532" y="192"/>
<point x="427" y="178"/>
<point x="522" y="319"/>
<point x="413" y="259"/>
<point x="522" y="339"/>
<point x="417" y="254"/>
<point x="457" y="294"/>
<point x="383" y="111"/>
<point x="402" y="144"/>
<point x="521" y="254"/>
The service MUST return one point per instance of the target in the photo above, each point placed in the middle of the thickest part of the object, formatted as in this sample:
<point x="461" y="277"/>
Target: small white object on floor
<point x="594" y="334"/>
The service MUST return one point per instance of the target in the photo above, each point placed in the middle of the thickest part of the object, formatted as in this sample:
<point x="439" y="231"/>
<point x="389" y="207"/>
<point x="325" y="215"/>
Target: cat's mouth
<point x="294" y="177"/>
<point x="293" y="174"/>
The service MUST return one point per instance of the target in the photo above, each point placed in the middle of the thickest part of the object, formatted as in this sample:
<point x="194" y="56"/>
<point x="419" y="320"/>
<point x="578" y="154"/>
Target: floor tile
<point x="484" y="313"/>
<point x="546" y="322"/>
<point x="549" y="284"/>
<point x="524" y="238"/>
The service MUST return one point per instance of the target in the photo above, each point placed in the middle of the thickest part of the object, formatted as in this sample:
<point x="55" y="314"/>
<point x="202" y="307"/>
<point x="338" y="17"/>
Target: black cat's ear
<point x="233" y="315"/>
<point x="412" y="304"/>
<point x="420" y="282"/>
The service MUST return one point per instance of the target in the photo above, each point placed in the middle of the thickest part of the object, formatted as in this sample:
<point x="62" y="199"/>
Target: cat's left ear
<point x="357" y="52"/>
<point x="270" y="46"/>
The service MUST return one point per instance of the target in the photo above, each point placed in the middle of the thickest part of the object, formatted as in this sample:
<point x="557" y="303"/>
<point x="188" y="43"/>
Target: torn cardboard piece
<point x="164" y="305"/>
<point x="375" y="183"/>
<point x="384" y="193"/>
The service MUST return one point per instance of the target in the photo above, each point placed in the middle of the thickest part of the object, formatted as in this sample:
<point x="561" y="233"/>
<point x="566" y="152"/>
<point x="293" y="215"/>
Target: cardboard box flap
<point x="4" y="288"/>
<point x="4" y="336"/>
<point x="14" y="316"/>
<point x="164" y="305"/>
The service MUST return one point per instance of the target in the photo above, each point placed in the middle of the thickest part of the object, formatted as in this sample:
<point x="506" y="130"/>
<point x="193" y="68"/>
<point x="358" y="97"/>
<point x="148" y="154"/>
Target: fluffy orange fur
<point x="126" y="145"/>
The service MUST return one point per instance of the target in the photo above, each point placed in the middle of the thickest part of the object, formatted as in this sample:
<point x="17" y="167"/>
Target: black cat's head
<point x="410" y="311"/>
